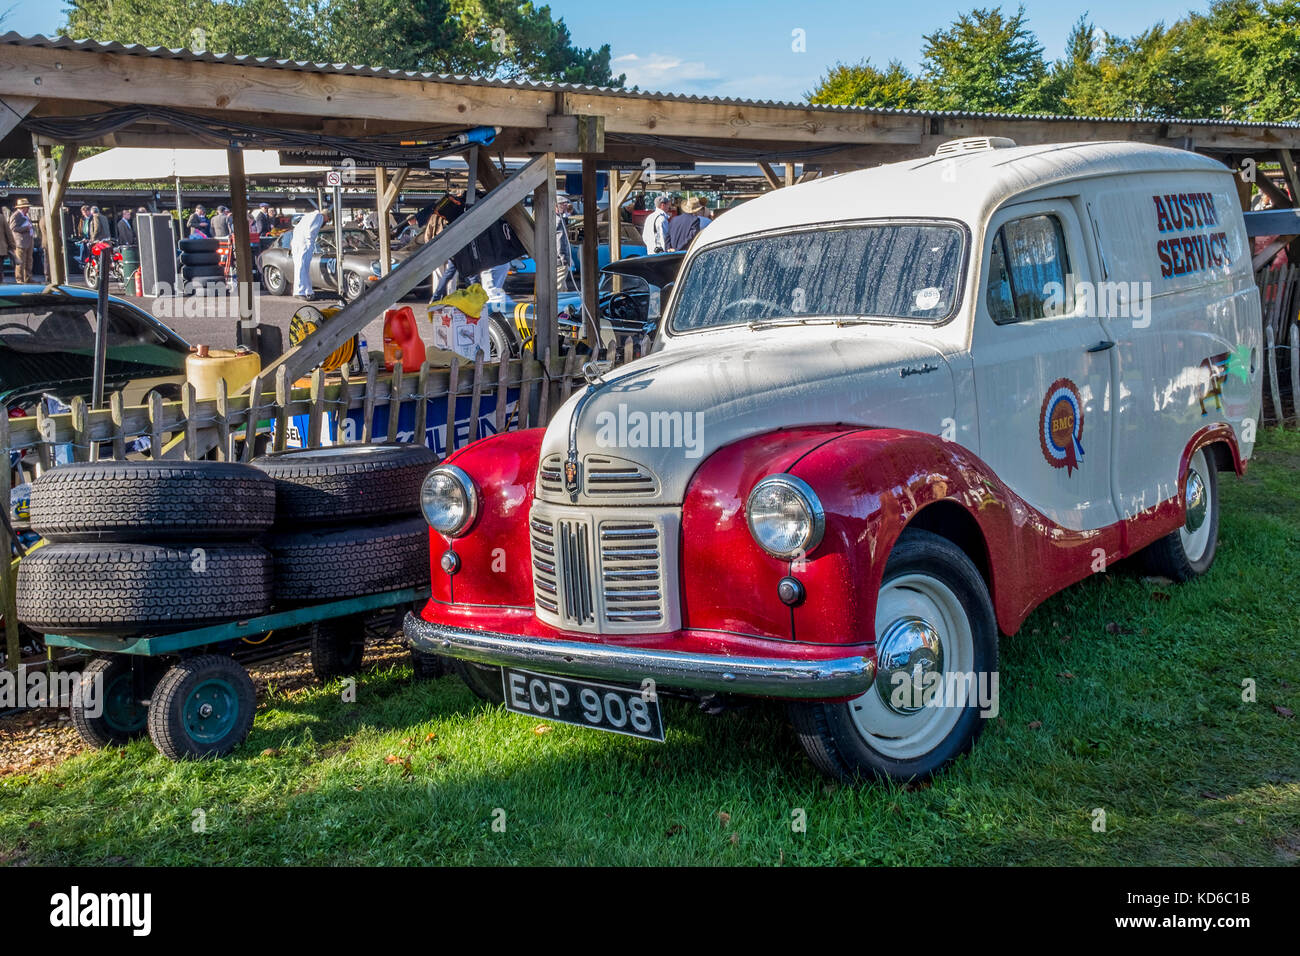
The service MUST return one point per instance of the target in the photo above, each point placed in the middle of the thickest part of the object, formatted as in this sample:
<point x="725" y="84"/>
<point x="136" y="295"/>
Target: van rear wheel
<point x="936" y="649"/>
<point x="1189" y="551"/>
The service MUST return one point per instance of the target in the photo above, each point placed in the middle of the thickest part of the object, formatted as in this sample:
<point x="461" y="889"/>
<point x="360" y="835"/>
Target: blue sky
<point x="745" y="49"/>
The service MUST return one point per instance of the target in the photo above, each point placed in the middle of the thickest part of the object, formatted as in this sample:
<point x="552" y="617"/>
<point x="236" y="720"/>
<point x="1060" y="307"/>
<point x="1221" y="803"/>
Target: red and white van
<point x="888" y="413"/>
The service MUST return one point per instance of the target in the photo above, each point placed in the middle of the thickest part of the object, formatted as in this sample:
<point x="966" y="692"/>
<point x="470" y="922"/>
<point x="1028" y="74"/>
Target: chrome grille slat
<point x="631" y="565"/>
<point x="607" y="476"/>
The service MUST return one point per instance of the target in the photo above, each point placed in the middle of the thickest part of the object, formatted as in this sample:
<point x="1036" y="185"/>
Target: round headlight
<point x="784" y="516"/>
<point x="449" y="500"/>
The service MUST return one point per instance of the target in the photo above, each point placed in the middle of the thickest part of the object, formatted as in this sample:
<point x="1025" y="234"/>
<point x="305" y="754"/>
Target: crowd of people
<point x="673" y="222"/>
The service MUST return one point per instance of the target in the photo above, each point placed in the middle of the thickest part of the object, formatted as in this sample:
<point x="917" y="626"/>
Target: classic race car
<point x="889" y="413"/>
<point x="360" y="264"/>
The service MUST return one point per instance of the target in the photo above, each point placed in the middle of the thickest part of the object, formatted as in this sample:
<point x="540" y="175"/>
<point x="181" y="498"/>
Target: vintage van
<point x="888" y="413"/>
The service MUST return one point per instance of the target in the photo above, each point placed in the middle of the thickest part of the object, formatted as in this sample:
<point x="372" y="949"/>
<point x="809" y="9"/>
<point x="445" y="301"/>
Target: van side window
<point x="1028" y="255"/>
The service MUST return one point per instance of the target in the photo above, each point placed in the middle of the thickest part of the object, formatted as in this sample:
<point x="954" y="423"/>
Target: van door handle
<point x="1101" y="346"/>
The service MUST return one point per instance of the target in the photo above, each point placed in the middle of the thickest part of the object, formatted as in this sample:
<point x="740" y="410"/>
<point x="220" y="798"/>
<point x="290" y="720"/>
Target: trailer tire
<point x="318" y="564"/>
<point x="151" y="501"/>
<point x="337" y="646"/>
<point x="341" y="483"/>
<point x="426" y="666"/>
<point x="121" y="717"/>
<point x="202" y="707"/>
<point x="78" y="588"/>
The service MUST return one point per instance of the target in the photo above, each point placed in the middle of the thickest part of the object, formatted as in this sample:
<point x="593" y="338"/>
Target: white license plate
<point x="567" y="700"/>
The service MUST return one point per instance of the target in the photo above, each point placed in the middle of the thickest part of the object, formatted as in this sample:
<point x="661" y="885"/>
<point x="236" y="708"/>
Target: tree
<point x="984" y="61"/>
<point x="503" y="38"/>
<point x="1161" y="72"/>
<point x="861" y="84"/>
<point x="1257" y="47"/>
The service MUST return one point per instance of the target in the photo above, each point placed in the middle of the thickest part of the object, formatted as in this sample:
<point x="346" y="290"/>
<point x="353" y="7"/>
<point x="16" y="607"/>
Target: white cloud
<point x="664" y="72"/>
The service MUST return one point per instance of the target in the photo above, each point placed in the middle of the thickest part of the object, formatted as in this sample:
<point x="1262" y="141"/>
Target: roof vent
<point x="973" y="144"/>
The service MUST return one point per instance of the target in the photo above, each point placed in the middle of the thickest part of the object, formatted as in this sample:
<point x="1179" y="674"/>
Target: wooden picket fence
<point x="221" y="427"/>
<point x="1279" y="294"/>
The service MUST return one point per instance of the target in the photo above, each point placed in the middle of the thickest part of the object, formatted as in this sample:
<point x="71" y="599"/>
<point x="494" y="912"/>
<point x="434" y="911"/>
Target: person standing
<point x="655" y="231"/>
<point x="99" y="230"/>
<point x="6" y="239"/>
<point x="443" y="279"/>
<point x="684" y="226"/>
<point x="262" y="220"/>
<point x="199" y="226"/>
<point x="303" y="247"/>
<point x="125" y="232"/>
<point x="24" y="233"/>
<point x="563" y="246"/>
<point x="221" y="224"/>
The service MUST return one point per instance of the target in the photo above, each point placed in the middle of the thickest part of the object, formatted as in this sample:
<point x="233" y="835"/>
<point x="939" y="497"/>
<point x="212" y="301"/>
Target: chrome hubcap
<point x="1196" y="501"/>
<point x="909" y="650"/>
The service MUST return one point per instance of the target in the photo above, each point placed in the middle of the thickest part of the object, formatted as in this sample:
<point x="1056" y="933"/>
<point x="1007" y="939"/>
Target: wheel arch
<point x="951" y="521"/>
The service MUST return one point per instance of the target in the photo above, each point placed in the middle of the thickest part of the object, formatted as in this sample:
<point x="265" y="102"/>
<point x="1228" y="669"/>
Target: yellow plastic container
<point x="204" y="367"/>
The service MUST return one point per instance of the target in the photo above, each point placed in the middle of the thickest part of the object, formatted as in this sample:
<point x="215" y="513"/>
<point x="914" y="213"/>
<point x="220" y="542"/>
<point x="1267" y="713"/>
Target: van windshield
<point x="887" y="270"/>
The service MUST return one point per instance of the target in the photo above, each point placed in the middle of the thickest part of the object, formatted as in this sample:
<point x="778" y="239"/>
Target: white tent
<point x="130" y="163"/>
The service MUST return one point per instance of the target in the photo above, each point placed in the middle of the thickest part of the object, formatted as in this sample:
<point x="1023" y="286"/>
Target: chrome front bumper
<point x="758" y="676"/>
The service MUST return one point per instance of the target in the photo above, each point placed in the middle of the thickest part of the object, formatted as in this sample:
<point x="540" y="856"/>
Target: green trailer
<point x="190" y="690"/>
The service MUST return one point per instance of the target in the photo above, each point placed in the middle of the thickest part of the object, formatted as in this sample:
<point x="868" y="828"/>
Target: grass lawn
<point x="1121" y="695"/>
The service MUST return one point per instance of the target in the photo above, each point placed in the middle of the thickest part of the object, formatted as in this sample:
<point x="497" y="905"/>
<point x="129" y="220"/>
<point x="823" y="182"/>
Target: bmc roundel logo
<point x="1060" y="426"/>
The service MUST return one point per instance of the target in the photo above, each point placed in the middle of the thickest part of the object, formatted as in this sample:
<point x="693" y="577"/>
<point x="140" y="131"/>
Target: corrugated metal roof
<point x="342" y="69"/>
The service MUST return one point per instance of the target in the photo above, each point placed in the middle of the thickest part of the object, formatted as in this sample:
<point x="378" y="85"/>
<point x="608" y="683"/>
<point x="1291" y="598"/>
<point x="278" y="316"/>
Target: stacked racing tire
<point x="348" y="524"/>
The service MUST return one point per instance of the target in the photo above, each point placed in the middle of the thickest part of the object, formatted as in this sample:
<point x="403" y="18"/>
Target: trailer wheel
<point x="109" y="688"/>
<point x="426" y="666"/>
<point x="337" y="646"/>
<point x="202" y="707"/>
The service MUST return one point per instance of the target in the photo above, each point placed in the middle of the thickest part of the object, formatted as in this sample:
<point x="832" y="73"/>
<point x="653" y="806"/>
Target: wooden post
<point x="8" y="597"/>
<point x="344" y="401"/>
<point x="453" y="386"/>
<point x="281" y="408"/>
<point x="316" y="415"/>
<point x="615" y="226"/>
<point x="368" y="403"/>
<point x="381" y="212"/>
<point x="80" y="429"/>
<point x="546" y="338"/>
<point x="239" y="241"/>
<point x="155" y="426"/>
<point x="476" y="395"/>
<point x="116" y="410"/>
<point x="590" y="256"/>
<point x="54" y="182"/>
<point x="254" y="405"/>
<point x="422" y="406"/>
<point x="188" y="402"/>
<point x="394" y="401"/>
<point x="223" y="421"/>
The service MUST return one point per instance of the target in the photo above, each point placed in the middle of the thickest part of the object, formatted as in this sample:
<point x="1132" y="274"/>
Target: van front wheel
<point x="937" y="656"/>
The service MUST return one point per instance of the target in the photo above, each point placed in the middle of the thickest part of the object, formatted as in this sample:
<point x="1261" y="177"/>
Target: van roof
<point x="967" y="187"/>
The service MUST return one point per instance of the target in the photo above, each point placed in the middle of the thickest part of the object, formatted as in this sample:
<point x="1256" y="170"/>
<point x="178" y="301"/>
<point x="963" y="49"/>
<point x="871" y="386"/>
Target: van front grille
<point x="631" y="571"/>
<point x="599" y="575"/>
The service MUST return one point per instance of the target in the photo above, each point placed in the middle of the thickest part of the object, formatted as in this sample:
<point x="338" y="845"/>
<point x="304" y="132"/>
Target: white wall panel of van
<point x="1176" y="251"/>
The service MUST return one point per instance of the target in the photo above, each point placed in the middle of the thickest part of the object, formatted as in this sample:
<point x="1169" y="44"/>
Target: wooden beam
<point x="1280" y="199"/>
<point x="1265" y="255"/>
<point x="629" y="184"/>
<point x="490" y="177"/>
<point x="354" y="316"/>
<point x="590" y="255"/>
<point x="546" y="340"/>
<point x="1289" y="170"/>
<point x="239" y="241"/>
<point x="13" y="110"/>
<point x="769" y="174"/>
<point x="119" y="78"/>
<point x="789" y="174"/>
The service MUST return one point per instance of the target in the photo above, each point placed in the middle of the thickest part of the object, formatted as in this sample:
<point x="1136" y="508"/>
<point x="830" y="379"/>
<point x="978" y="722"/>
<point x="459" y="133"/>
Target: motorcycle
<point x="90" y="267"/>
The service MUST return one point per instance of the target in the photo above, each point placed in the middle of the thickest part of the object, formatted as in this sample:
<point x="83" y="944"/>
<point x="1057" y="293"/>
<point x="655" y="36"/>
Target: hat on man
<point x="22" y="203"/>
<point x="692" y="205"/>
